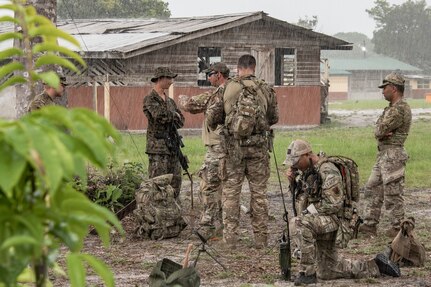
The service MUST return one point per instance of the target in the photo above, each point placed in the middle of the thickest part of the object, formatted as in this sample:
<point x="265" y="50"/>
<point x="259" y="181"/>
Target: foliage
<point x="90" y="9"/>
<point x="359" y="41"/>
<point x="309" y="23"/>
<point x="38" y="29"/>
<point x="403" y="31"/>
<point x="40" y="154"/>
<point x="114" y="188"/>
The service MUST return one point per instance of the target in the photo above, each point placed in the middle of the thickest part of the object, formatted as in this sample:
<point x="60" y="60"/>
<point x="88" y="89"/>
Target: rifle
<point x="174" y="142"/>
<point x="293" y="187"/>
<point x="285" y="257"/>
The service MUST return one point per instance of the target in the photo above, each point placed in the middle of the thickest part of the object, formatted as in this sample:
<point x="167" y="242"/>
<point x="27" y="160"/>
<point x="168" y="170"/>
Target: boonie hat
<point x="163" y="72"/>
<point x="218" y="67"/>
<point x="295" y="150"/>
<point x="393" y="78"/>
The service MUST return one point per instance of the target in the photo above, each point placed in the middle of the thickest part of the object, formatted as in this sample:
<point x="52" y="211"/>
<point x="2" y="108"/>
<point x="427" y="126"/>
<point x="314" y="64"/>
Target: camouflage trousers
<point x="159" y="164"/>
<point x="254" y="166"/>
<point x="211" y="185"/>
<point x="386" y="184"/>
<point x="316" y="236"/>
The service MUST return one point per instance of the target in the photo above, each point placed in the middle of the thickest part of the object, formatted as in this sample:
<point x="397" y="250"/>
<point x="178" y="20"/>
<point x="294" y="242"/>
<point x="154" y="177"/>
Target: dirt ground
<point x="132" y="259"/>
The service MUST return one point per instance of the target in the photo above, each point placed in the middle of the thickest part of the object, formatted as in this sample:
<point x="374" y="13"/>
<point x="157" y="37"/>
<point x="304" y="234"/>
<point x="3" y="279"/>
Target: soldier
<point x="386" y="181"/>
<point x="218" y="74"/>
<point x="318" y="223"/>
<point x="164" y="118"/>
<point x="246" y="156"/>
<point x="46" y="98"/>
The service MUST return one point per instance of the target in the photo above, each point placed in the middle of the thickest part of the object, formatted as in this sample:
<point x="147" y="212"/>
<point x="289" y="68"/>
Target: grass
<point x="356" y="105"/>
<point x="356" y="143"/>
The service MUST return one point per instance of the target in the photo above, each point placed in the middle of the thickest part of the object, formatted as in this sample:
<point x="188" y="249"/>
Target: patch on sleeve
<point x="330" y="181"/>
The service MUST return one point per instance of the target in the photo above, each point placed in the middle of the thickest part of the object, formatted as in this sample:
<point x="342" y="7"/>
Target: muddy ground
<point x="132" y="258"/>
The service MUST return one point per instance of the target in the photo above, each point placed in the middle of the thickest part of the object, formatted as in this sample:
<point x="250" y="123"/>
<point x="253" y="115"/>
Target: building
<point x="122" y="55"/>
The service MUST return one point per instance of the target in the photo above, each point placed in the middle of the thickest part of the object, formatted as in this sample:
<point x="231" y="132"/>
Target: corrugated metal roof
<point x="376" y="62"/>
<point x="120" y="38"/>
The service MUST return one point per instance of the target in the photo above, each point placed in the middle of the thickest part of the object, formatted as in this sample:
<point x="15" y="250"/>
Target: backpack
<point x="168" y="273"/>
<point x="349" y="218"/>
<point x="157" y="211"/>
<point x="248" y="115"/>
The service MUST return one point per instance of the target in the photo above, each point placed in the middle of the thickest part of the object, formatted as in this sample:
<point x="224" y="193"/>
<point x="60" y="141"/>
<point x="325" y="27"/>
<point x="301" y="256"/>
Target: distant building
<point x="355" y="75"/>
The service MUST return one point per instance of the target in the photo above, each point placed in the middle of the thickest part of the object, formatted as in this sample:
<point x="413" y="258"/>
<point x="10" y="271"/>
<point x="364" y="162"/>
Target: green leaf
<point x="12" y="7"/>
<point x="75" y="270"/>
<point x="12" y="81"/>
<point x="8" y="53"/>
<point x="27" y="276"/>
<point x="10" y="35"/>
<point x="69" y="238"/>
<point x="12" y="167"/>
<point x="101" y="269"/>
<point x="47" y="30"/>
<point x="51" y="59"/>
<point x="18" y="240"/>
<point x="38" y="19"/>
<point x="50" y="47"/>
<point x="10" y="68"/>
<point x="50" y="78"/>
<point x="9" y="19"/>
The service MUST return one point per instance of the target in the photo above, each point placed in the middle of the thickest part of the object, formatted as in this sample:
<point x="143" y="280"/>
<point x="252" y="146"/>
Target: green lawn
<point x="373" y="104"/>
<point x="357" y="143"/>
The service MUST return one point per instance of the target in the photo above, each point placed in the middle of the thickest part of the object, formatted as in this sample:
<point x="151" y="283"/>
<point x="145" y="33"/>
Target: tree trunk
<point x="24" y="93"/>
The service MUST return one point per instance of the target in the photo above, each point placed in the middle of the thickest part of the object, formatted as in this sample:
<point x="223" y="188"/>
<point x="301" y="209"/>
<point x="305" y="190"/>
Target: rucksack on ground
<point x="157" y="211"/>
<point x="168" y="273"/>
<point x="350" y="176"/>
<point x="249" y="113"/>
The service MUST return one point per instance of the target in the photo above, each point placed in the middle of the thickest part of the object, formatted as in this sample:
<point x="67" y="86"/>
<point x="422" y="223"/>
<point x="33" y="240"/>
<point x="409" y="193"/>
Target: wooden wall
<point x="298" y="105"/>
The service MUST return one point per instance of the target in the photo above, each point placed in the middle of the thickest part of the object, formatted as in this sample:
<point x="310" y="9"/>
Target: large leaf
<point x="50" y="47"/>
<point x="12" y="81"/>
<point x="18" y="240"/>
<point x="47" y="30"/>
<point x="52" y="59"/>
<point x="10" y="68"/>
<point x="8" y="19"/>
<point x="101" y="269"/>
<point x="8" y="53"/>
<point x="75" y="270"/>
<point x="50" y="78"/>
<point x="12" y="166"/>
<point x="10" y="35"/>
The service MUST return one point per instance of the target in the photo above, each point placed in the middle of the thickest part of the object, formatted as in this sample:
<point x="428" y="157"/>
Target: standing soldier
<point x="386" y="181"/>
<point x="210" y="185"/>
<point x="247" y="155"/>
<point x="46" y="98"/>
<point x="164" y="118"/>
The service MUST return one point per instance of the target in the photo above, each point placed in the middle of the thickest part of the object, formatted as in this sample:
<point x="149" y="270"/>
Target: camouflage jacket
<point x="326" y="192"/>
<point x="199" y="104"/>
<point x="163" y="116"/>
<point x="40" y="101"/>
<point x="216" y="113"/>
<point x="392" y="127"/>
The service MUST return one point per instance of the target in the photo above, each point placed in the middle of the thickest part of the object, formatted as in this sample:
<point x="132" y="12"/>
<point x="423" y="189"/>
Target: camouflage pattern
<point x="255" y="167"/>
<point x="393" y="78"/>
<point x="210" y="185"/>
<point x="159" y="164"/>
<point x="162" y="116"/>
<point x="157" y="212"/>
<point x="163" y="72"/>
<point x="316" y="231"/>
<point x="40" y="101"/>
<point x="246" y="158"/>
<point x="386" y="181"/>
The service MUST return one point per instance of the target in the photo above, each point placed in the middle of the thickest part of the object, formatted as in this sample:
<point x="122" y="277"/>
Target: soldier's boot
<point x="305" y="279"/>
<point x="260" y="241"/>
<point x="368" y="229"/>
<point x="392" y="232"/>
<point x="387" y="266"/>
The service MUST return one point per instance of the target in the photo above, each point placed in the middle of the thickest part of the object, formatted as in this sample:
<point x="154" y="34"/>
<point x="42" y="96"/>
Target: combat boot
<point x="387" y="266"/>
<point x="305" y="279"/>
<point x="368" y="229"/>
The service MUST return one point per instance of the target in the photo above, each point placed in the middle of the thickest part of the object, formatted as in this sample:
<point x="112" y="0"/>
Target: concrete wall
<point x="7" y="103"/>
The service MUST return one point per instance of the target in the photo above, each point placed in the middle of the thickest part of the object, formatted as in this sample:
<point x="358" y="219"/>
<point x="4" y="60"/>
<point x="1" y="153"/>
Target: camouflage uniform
<point x="210" y="185"/>
<point x="386" y="181"/>
<point x="317" y="232"/>
<point x="40" y="101"/>
<point x="163" y="116"/>
<point x="253" y="164"/>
